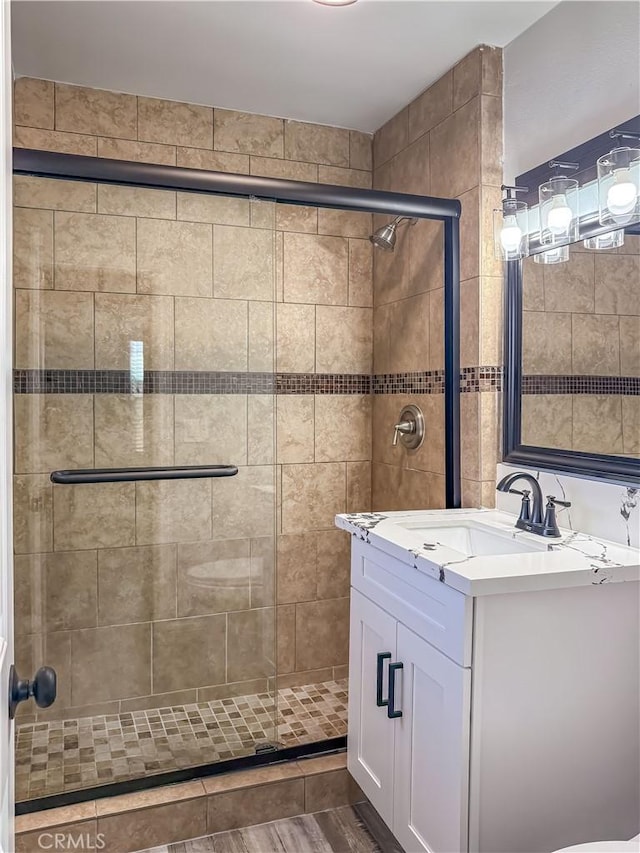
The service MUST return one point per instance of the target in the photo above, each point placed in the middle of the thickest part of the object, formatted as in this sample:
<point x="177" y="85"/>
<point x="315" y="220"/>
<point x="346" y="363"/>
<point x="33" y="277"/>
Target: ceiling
<point x="351" y="66"/>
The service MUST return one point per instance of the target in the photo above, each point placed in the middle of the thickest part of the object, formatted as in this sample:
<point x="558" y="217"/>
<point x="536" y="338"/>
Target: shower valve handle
<point x="404" y="427"/>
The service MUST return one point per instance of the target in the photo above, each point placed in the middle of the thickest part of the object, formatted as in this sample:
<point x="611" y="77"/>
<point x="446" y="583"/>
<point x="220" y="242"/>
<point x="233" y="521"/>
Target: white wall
<point x="573" y="74"/>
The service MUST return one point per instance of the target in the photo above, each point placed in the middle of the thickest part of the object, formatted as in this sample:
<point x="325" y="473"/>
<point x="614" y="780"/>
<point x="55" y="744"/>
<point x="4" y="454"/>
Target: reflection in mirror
<point x="581" y="351"/>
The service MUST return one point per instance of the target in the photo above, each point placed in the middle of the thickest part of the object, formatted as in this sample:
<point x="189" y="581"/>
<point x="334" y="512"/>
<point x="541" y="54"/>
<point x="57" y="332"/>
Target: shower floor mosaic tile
<point x="64" y="755"/>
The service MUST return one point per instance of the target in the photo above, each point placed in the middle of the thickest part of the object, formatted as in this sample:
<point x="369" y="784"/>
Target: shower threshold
<point x="64" y="756"/>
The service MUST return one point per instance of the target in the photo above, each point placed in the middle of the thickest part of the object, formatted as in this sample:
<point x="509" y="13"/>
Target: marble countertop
<point x="573" y="559"/>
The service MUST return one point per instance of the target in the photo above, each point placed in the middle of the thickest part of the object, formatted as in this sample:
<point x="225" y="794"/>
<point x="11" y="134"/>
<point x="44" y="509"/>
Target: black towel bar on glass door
<point x="132" y="475"/>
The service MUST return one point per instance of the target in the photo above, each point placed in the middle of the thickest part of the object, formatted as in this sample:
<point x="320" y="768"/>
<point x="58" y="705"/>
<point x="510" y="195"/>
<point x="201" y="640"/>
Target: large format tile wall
<point x="447" y="142"/>
<point x="581" y="335"/>
<point x="154" y="593"/>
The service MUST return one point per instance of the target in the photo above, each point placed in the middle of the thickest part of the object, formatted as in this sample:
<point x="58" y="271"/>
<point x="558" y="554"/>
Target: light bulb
<point x="560" y="215"/>
<point x="622" y="195"/>
<point x="511" y="234"/>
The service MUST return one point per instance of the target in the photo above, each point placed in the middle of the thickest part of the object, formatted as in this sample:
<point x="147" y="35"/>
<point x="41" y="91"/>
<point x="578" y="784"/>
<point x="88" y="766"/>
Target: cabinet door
<point x="370" y="742"/>
<point x="431" y="749"/>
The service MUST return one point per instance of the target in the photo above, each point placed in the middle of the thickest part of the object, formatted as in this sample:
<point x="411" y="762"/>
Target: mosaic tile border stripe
<point x="628" y="386"/>
<point x="34" y="381"/>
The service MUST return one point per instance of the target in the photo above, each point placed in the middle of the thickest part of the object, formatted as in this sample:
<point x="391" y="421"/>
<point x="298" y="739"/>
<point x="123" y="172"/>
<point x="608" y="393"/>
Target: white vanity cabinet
<point x="517" y="714"/>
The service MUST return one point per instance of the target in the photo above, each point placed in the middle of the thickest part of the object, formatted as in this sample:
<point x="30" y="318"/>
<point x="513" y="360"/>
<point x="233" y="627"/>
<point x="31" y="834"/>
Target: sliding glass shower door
<point x="144" y="339"/>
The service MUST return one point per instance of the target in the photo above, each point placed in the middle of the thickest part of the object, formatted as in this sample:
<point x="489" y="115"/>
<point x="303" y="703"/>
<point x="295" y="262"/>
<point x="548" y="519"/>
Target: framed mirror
<point x="572" y="349"/>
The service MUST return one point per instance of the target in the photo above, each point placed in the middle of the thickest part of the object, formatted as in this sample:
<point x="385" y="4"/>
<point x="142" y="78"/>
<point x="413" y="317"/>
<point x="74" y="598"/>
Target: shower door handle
<point x="43" y="688"/>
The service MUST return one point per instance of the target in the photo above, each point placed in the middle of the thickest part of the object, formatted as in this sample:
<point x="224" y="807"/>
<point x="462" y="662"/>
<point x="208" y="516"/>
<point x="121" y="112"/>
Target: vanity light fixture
<point x="559" y="210"/>
<point x="511" y="226"/>
<point x="619" y="182"/>
<point x="610" y="240"/>
<point x="557" y="255"/>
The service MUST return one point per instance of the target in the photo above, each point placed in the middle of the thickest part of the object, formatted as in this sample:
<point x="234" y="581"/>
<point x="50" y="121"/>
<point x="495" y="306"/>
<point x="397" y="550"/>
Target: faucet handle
<point x="553" y="501"/>
<point x="524" y="492"/>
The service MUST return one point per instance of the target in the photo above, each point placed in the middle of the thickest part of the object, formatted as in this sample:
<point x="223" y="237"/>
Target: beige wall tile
<point x="97" y="515"/>
<point x="291" y="170"/>
<point x="409" y="170"/>
<point x="85" y="831"/>
<point x="331" y="790"/>
<point x="595" y="344"/>
<point x="94" y="252"/>
<point x="631" y="424"/>
<point x="470" y="436"/>
<point x="263" y="571"/>
<point x="491" y="139"/>
<point x="33" y="104"/>
<point x="295" y="428"/>
<point x="286" y="638"/>
<point x="139" y="152"/>
<point x="121" y="319"/>
<point x="53" y="431"/>
<point x="136" y="201"/>
<point x="261" y="418"/>
<point x="32" y="248"/>
<point x="344" y="223"/>
<point x="630" y="346"/>
<point x="243" y="263"/>
<point x="547" y="420"/>
<point x="296" y="217"/>
<point x="228" y="691"/>
<point x="532" y="285"/>
<point x="491" y="308"/>
<point x="360" y="273"/>
<point x="251" y="644"/>
<point x="490" y="200"/>
<point x="391" y="269"/>
<point x="110" y="663"/>
<point x="333" y="564"/>
<point x="174" y="258"/>
<point x="175" y="123"/>
<point x="136" y="584"/>
<point x="211" y="334"/>
<point x="296" y="334"/>
<point x="54" y="194"/>
<point x="597" y="424"/>
<point x="360" y="150"/>
<point x="386" y="409"/>
<point x="469" y="234"/>
<point x="219" y="210"/>
<point x="314" y="143"/>
<point x="381" y="360"/>
<point x="53" y="330"/>
<point x="53" y="140"/>
<point x="234" y="809"/>
<point x="173" y="511"/>
<point x="159" y="700"/>
<point x="55" y="817"/>
<point x="153" y="797"/>
<point x="95" y="111"/>
<point x="246" y="133"/>
<point x="409" y="334"/>
<point x="214" y="577"/>
<point x="55" y="592"/>
<point x="491" y="58"/>
<point x="570" y="287"/>
<point x="32" y="513"/>
<point x="262" y="333"/>
<point x="344" y="340"/>
<point x="467" y="78"/>
<point x="342" y="427"/>
<point x="429" y="457"/>
<point x="617" y="278"/>
<point x="133" y="430"/>
<point x="489" y="433"/>
<point x="436" y="329"/>
<point x="385" y="481"/>
<point x="322" y="633"/>
<point x="312" y="495"/>
<point x="153" y="826"/>
<point x="211" y="429"/>
<point x="358" y="486"/>
<point x="391" y="138"/>
<point x="212" y="161"/>
<point x="431" y="107"/>
<point x="315" y="269"/>
<point x="245" y="503"/>
<point x="298" y="678"/>
<point x="338" y="176"/>
<point x="176" y="639"/>
<point x="52" y="650"/>
<point x="296" y="568"/>
<point x="546" y="343"/>
<point x="455" y="155"/>
<point x="469" y="323"/>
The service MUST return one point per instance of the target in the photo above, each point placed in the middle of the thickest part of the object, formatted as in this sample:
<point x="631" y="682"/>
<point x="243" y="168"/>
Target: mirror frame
<point x="593" y="465"/>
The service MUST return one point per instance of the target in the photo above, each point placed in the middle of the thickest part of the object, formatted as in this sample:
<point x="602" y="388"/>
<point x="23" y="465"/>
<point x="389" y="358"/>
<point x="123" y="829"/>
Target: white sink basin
<point x="470" y="538"/>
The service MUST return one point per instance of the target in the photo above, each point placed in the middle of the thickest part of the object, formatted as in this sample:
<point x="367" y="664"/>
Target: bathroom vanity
<point x="494" y="682"/>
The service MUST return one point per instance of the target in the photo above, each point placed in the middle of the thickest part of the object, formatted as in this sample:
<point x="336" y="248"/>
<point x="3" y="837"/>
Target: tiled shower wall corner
<point x="447" y="142"/>
<point x="581" y="321"/>
<point x="115" y="643"/>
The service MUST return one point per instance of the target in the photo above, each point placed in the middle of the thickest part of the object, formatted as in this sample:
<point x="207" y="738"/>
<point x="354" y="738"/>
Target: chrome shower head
<point x="385" y="237"/>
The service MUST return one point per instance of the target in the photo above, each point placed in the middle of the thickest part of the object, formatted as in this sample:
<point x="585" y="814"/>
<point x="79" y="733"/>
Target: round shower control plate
<point x="412" y="440"/>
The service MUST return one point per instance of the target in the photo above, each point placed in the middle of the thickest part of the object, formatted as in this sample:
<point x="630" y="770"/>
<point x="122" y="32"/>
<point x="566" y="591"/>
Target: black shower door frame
<point x="75" y="167"/>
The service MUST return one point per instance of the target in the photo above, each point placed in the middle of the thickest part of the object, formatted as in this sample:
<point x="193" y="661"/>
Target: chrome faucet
<point x="530" y="518"/>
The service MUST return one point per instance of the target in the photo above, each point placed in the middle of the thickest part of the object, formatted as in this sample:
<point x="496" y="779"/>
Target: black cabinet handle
<point x="392" y="713"/>
<point x="382" y="657"/>
<point x="43" y="688"/>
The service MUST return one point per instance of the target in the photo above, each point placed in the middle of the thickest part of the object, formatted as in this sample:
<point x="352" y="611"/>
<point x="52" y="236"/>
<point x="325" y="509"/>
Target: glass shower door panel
<point x="144" y="338"/>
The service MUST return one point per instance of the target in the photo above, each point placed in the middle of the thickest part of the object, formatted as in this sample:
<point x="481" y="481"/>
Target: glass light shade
<point x="511" y="230"/>
<point x="557" y="255"/>
<point x="559" y="211"/>
<point x="619" y="186"/>
<point x="610" y="240"/>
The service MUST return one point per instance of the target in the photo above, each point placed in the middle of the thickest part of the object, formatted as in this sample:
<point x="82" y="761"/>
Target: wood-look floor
<point x="335" y="831"/>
